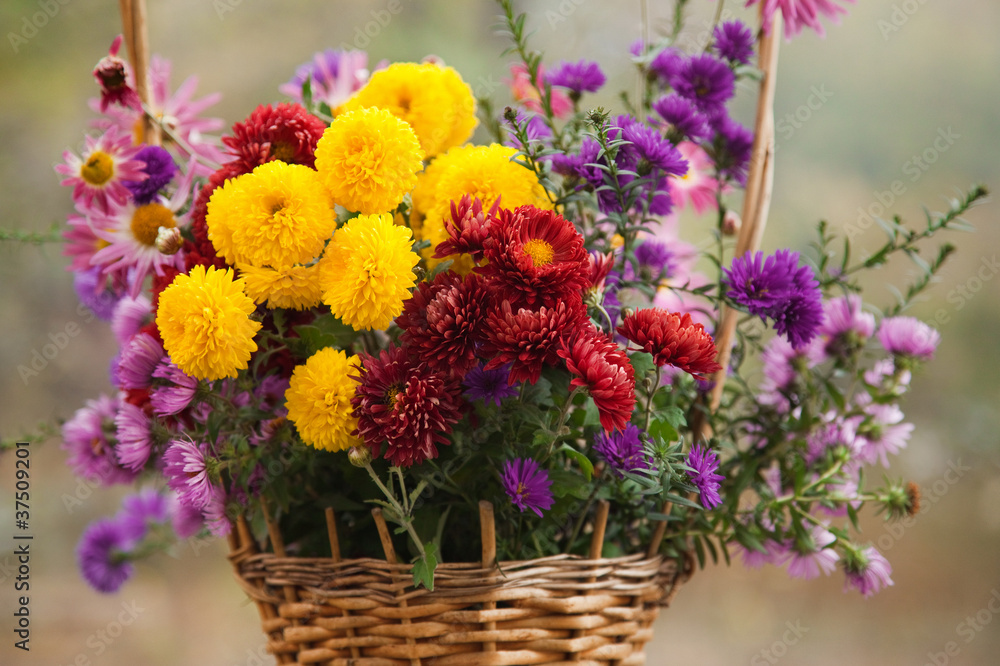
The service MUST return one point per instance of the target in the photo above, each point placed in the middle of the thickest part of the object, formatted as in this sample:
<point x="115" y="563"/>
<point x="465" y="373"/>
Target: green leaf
<point x="424" y="567"/>
<point x="583" y="461"/>
<point x="642" y="363"/>
<point x="683" y="501"/>
<point x="663" y="430"/>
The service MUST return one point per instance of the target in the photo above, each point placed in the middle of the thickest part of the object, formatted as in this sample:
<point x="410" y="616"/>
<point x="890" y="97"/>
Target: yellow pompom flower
<point x="431" y="98"/>
<point x="319" y="400"/>
<point x="367" y="271"/>
<point x="278" y="215"/>
<point x="204" y="320"/>
<point x="369" y="160"/>
<point x="484" y="172"/>
<point x="297" y="288"/>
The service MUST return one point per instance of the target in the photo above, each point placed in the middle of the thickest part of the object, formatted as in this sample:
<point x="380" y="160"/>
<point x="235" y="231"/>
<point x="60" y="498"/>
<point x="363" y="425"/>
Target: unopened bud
<point x="168" y="240"/>
<point x="731" y="223"/>
<point x="359" y="456"/>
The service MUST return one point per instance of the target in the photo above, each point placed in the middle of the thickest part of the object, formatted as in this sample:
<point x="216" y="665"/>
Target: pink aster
<point x="90" y="450"/>
<point x="528" y="95"/>
<point x="697" y="186"/>
<point x="333" y="75"/>
<point x="801" y="13"/>
<point x="135" y="437"/>
<point x="867" y="571"/>
<point x="186" y="472"/>
<point x="99" y="173"/>
<point x="809" y="557"/>
<point x="884" y="433"/>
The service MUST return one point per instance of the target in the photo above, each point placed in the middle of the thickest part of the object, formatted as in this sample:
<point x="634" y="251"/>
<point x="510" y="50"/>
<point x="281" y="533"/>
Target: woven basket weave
<point x="562" y="609"/>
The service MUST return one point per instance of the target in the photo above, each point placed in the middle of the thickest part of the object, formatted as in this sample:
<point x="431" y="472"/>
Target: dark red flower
<point x="200" y="250"/>
<point x="469" y="229"/>
<point x="535" y="257"/>
<point x="603" y="368"/>
<point x="406" y="406"/>
<point x="442" y="322"/>
<point x="599" y="265"/>
<point x="113" y="76"/>
<point x="530" y="339"/>
<point x="286" y="132"/>
<point x="672" y="339"/>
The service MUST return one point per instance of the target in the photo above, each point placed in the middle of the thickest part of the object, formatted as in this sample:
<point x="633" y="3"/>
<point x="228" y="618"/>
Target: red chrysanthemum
<point x="408" y="407"/>
<point x="672" y="339"/>
<point x="599" y="265"/>
<point x="442" y="322"/>
<point x="469" y="228"/>
<point x="603" y="368"/>
<point x="286" y="132"/>
<point x="535" y="257"/>
<point x="529" y="339"/>
<point x="200" y="250"/>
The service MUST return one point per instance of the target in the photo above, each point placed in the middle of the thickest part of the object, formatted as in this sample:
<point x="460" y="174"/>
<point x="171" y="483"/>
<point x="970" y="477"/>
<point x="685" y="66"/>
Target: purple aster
<point x="667" y="63"/>
<point x="186" y="472"/>
<point x="774" y="553"/>
<point x="909" y="337"/>
<point x="489" y="385"/>
<point x="216" y="513"/>
<point x="867" y="571"/>
<point x="90" y="451"/>
<point x="533" y="125"/>
<point x="655" y="261"/>
<point x="135" y="437"/>
<point x="800" y="316"/>
<point x="160" y="169"/>
<point x="734" y="42"/>
<point x="732" y="149"/>
<point x="706" y="81"/>
<point x="173" y="396"/>
<point x="845" y="326"/>
<point x="129" y="316"/>
<point x="885" y="376"/>
<point x="809" y="556"/>
<point x="684" y="116"/>
<point x="334" y="76"/>
<point x="96" y="293"/>
<point x="579" y="77"/>
<point x="623" y="451"/>
<point x="703" y="463"/>
<point x="103" y="555"/>
<point x="649" y="150"/>
<point x="184" y="518"/>
<point x="138" y="360"/>
<point x="527" y="486"/>
<point x="835" y="431"/>
<point x="142" y="509"/>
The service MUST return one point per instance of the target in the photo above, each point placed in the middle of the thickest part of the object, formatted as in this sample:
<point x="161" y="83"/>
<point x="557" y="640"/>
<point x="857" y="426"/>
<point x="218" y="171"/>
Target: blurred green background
<point x="853" y="110"/>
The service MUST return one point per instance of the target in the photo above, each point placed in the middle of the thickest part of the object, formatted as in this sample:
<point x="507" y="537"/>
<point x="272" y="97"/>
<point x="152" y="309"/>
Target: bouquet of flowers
<point x="347" y="304"/>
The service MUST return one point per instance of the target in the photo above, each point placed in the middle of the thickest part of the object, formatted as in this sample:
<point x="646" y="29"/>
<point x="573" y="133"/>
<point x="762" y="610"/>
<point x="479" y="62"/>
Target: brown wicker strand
<point x="390" y="557"/>
<point x="487" y="528"/>
<point x="331" y="530"/>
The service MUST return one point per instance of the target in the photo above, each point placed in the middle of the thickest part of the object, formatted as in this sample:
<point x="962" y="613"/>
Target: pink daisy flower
<point x="809" y="557"/>
<point x="135" y="437"/>
<point x="697" y="186"/>
<point x="129" y="235"/>
<point x="801" y="13"/>
<point x="179" y="112"/>
<point x="884" y="434"/>
<point x="99" y="173"/>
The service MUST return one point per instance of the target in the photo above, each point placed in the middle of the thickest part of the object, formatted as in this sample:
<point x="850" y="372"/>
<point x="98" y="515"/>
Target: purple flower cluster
<point x="734" y="42"/>
<point x="623" y="451"/>
<point x="703" y="463"/>
<point x="527" y="485"/>
<point x="780" y="289"/>
<point x="578" y="77"/>
<point x="159" y="169"/>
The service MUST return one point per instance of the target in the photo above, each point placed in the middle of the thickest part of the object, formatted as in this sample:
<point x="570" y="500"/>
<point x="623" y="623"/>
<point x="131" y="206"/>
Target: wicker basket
<point x="562" y="609"/>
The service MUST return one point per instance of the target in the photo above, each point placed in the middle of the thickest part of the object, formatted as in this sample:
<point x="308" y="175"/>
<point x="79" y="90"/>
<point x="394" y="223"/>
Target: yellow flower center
<point x="540" y="251"/>
<point x="391" y="396"/>
<point x="98" y="169"/>
<point x="283" y="151"/>
<point x="147" y="220"/>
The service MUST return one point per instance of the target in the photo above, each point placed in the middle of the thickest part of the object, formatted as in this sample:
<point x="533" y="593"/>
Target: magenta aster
<point x="90" y="450"/>
<point x="908" y="337"/>
<point x="623" y="451"/>
<point x="186" y="471"/>
<point x="489" y="385"/>
<point x="99" y="175"/>
<point x="528" y="486"/>
<point x="334" y="75"/>
<point x="175" y="392"/>
<point x="808" y="557"/>
<point x="801" y="13"/>
<point x="103" y="555"/>
<point x="139" y="359"/>
<point x="867" y="571"/>
<point x="703" y="463"/>
<point x="135" y="437"/>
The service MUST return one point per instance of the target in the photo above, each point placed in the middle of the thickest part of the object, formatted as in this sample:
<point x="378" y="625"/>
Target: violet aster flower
<point x="534" y="126"/>
<point x="103" y="555"/>
<point x="186" y="472"/>
<point x="734" y="42"/>
<point x="527" y="486"/>
<point x="774" y="553"/>
<point x="215" y="513"/>
<point x="809" y="557"/>
<point x="684" y="116"/>
<point x="801" y="315"/>
<point x="649" y="150"/>
<point x="334" y="75"/>
<point x="130" y="314"/>
<point x="135" y="437"/>
<point x="908" y="337"/>
<point x="139" y="359"/>
<point x="867" y="571"/>
<point x="706" y="81"/>
<point x="732" y="149"/>
<point x="142" y="509"/>
<point x="90" y="453"/>
<point x="622" y="450"/>
<point x="184" y="518"/>
<point x="173" y="396"/>
<point x="159" y="169"/>
<point x="489" y="385"/>
<point x="97" y="293"/>
<point x="580" y="77"/>
<point x="655" y="261"/>
<point x="703" y="463"/>
<point x="668" y="63"/>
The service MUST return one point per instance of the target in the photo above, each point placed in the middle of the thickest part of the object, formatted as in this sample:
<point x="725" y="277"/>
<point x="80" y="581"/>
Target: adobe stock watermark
<point x="562" y="12"/>
<point x="779" y="648"/>
<point x="381" y="18"/>
<point x="30" y="25"/>
<point x="898" y="17"/>
<point x="930" y="495"/>
<point x="790" y="123"/>
<point x="969" y="628"/>
<point x="99" y="641"/>
<point x="54" y="345"/>
<point x="915" y="168"/>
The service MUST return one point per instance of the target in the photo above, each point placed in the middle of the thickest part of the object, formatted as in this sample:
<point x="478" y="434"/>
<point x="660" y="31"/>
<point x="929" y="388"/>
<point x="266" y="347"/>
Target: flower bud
<point x="731" y="223"/>
<point x="168" y="240"/>
<point x="359" y="456"/>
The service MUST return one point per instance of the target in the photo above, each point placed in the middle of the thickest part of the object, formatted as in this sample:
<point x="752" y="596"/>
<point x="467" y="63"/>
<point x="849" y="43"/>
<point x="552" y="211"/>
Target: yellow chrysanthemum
<point x="204" y="320"/>
<point x="297" y="287"/>
<point x="319" y="400"/>
<point x="369" y="160"/>
<point x="278" y="215"/>
<point x="431" y="98"/>
<point x="485" y="172"/>
<point x="367" y="271"/>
